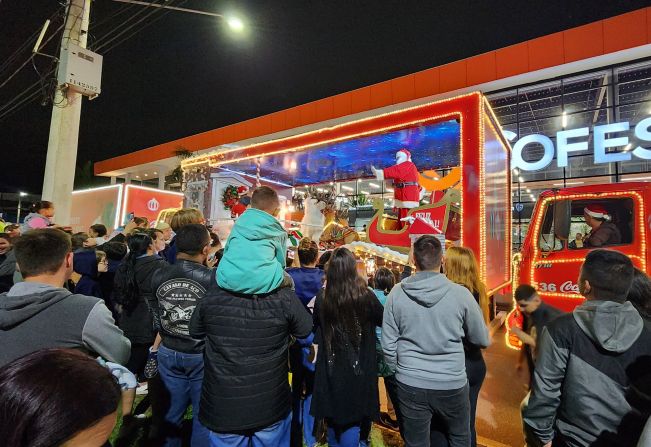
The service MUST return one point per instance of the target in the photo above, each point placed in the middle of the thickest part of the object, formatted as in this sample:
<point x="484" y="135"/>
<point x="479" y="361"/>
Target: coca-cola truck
<point x="553" y="251"/>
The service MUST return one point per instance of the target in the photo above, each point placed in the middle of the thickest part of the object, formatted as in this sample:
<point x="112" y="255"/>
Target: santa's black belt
<point x="402" y="185"/>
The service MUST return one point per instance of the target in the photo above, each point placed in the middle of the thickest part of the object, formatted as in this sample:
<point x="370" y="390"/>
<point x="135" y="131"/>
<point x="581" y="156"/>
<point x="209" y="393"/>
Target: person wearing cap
<point x="407" y="191"/>
<point x="603" y="231"/>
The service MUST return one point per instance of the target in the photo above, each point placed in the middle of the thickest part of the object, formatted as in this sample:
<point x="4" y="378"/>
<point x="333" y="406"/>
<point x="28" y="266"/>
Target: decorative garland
<point x="231" y="196"/>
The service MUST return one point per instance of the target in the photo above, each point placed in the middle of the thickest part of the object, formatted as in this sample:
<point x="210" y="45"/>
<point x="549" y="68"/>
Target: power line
<point x="30" y="58"/>
<point x="26" y="44"/>
<point x="136" y="31"/>
<point x="29" y="94"/>
<point x="104" y="42"/>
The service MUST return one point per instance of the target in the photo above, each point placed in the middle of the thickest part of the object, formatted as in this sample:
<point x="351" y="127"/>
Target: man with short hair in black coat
<point x="179" y="289"/>
<point x="246" y="395"/>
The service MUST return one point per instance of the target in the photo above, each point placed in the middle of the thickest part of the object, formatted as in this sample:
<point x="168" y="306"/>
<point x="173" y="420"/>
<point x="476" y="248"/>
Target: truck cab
<point x="553" y="249"/>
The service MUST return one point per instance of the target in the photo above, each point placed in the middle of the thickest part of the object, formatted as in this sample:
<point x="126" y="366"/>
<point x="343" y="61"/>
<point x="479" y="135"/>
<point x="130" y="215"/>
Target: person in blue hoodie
<point x="89" y="264"/>
<point x="308" y="281"/>
<point x="254" y="256"/>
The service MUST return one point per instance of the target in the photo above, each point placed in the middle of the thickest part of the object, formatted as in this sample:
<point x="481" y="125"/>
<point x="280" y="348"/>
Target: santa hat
<point x="597" y="211"/>
<point x="406" y="152"/>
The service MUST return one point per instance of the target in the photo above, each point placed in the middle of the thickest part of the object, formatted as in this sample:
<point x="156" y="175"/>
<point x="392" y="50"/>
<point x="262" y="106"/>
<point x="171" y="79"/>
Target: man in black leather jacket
<point x="179" y="289"/>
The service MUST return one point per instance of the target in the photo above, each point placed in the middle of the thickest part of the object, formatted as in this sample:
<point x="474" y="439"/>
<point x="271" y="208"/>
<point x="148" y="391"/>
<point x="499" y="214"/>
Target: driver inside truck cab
<point x="602" y="231"/>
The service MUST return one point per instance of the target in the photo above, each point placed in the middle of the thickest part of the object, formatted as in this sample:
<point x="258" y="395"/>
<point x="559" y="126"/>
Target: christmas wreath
<point x="231" y="196"/>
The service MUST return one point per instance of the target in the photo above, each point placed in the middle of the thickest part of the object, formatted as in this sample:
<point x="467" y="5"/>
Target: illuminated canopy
<point x="432" y="146"/>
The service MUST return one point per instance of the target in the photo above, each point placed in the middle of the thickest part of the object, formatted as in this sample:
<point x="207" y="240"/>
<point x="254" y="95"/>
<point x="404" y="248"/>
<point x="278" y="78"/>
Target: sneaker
<point x="142" y="389"/>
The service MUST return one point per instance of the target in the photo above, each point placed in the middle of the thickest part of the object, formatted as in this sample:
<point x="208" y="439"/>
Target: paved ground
<point x="498" y="411"/>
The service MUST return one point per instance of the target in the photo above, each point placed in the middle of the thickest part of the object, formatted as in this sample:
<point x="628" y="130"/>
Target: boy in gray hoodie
<point x="426" y="319"/>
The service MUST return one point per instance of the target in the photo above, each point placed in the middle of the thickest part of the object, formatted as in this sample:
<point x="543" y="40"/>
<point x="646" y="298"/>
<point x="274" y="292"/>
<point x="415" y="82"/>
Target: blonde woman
<point x="182" y="217"/>
<point x="461" y="267"/>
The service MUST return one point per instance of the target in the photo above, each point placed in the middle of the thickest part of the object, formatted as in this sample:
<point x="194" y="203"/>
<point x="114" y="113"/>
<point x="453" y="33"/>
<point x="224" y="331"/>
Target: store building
<point x="553" y="95"/>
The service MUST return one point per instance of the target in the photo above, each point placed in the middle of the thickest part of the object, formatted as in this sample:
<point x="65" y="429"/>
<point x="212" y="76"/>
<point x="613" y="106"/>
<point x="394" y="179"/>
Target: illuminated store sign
<point x="576" y="140"/>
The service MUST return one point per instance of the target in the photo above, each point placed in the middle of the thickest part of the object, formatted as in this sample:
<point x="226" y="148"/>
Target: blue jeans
<point x="182" y="375"/>
<point x="351" y="436"/>
<point x="302" y="421"/>
<point x="276" y="435"/>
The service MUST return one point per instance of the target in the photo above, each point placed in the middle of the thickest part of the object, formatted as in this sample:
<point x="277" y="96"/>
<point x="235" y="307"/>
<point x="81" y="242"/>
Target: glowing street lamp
<point x="234" y="23"/>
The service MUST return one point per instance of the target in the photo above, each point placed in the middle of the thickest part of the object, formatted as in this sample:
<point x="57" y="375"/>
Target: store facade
<point x="581" y="106"/>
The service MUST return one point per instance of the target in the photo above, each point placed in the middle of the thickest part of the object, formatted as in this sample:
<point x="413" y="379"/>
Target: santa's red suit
<point x="406" y="190"/>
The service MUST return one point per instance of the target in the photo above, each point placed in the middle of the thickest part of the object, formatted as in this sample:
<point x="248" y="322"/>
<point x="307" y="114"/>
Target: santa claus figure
<point x="406" y="190"/>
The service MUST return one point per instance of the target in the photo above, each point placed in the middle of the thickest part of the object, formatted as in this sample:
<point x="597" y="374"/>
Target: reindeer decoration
<point x="313" y="206"/>
<point x="323" y="221"/>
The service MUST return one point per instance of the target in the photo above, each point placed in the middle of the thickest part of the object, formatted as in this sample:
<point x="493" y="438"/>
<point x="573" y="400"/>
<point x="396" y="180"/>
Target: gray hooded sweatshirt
<point x="426" y="320"/>
<point x="589" y="364"/>
<point x="36" y="316"/>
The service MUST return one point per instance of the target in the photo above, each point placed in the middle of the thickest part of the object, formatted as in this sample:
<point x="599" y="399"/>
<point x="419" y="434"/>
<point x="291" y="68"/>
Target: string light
<point x="320" y="135"/>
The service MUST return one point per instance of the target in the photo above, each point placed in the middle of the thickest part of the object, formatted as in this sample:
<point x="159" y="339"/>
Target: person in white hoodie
<point x="426" y="319"/>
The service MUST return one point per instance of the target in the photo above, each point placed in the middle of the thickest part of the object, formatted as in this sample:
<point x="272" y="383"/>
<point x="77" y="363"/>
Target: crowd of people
<point x="87" y="320"/>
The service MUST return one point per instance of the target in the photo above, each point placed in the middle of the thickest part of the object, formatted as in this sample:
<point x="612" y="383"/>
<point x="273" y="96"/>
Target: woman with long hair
<point x="137" y="303"/>
<point x="133" y="294"/>
<point x="461" y="267"/>
<point x="346" y="314"/>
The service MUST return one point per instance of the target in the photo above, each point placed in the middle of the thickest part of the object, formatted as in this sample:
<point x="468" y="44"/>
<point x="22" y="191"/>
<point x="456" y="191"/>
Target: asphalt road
<point x="498" y="410"/>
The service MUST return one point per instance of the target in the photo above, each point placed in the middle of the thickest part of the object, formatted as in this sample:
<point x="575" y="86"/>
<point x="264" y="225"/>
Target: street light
<point x="234" y="23"/>
<point x="20" y="202"/>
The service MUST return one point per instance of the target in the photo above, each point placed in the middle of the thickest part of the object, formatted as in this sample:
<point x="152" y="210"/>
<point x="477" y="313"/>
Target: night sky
<point x="184" y="74"/>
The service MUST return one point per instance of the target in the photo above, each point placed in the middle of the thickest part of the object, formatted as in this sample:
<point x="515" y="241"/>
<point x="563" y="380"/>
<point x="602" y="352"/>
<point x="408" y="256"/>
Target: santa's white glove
<point x="378" y="173"/>
<point x="409" y="219"/>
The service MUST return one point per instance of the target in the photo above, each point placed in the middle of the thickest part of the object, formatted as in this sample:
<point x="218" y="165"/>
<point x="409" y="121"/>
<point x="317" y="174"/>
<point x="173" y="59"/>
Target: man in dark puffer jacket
<point x="246" y="394"/>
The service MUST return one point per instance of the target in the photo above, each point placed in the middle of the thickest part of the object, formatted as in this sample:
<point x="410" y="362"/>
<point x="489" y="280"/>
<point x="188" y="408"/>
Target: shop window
<point x="633" y="113"/>
<point x="540" y="101"/>
<point x="505" y="106"/>
<point x="621" y="212"/>
<point x="633" y="83"/>
<point x="584" y="166"/>
<point x="586" y="92"/>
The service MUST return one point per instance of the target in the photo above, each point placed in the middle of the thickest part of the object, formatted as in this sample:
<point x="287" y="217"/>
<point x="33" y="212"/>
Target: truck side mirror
<point x="562" y="215"/>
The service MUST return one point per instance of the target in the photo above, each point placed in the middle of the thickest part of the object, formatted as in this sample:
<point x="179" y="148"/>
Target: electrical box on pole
<point x="80" y="70"/>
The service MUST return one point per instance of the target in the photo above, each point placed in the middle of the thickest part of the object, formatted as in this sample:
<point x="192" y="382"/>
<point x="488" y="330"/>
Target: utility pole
<point x="61" y="162"/>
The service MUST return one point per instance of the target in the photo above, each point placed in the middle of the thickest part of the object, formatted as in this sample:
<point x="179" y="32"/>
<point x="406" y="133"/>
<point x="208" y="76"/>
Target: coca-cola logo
<point x="569" y="287"/>
<point x="153" y="205"/>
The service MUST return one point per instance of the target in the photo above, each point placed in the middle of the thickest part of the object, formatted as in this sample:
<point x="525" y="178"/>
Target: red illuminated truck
<point x="552" y="255"/>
